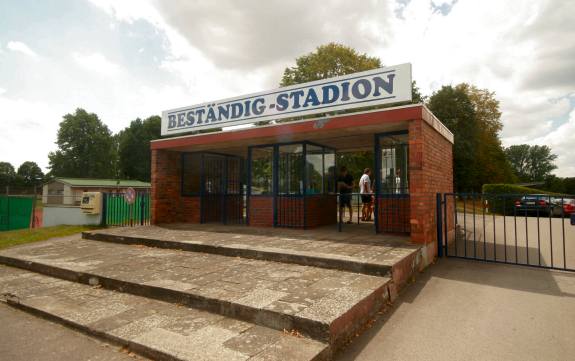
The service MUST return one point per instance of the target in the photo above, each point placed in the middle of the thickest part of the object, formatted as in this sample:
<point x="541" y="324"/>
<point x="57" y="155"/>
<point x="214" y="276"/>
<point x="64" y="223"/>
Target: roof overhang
<point x="344" y="132"/>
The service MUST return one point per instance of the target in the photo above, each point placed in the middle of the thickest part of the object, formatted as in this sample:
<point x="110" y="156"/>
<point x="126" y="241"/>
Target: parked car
<point x="541" y="204"/>
<point x="568" y="205"/>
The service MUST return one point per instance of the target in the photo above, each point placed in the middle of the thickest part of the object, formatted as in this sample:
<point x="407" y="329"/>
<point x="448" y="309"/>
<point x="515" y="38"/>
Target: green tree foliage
<point x="473" y="115"/>
<point x="331" y="60"/>
<point x="355" y="162"/>
<point x="134" y="156"/>
<point x="559" y="185"/>
<point x="455" y="109"/>
<point x="7" y="174"/>
<point x="492" y="164"/>
<point x="328" y="61"/>
<point x="30" y="174"/>
<point x="86" y="148"/>
<point x="531" y="162"/>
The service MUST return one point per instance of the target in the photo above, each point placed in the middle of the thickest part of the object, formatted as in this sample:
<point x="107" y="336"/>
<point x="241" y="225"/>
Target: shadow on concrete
<point x="521" y="278"/>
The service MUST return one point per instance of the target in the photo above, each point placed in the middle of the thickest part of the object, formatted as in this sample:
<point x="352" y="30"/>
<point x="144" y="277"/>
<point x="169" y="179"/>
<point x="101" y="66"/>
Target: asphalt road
<point x="27" y="338"/>
<point x="471" y="310"/>
<point x="528" y="240"/>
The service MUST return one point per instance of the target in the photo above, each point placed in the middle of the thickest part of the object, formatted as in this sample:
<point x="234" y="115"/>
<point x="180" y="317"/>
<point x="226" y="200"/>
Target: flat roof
<point x="343" y="132"/>
<point x="94" y="182"/>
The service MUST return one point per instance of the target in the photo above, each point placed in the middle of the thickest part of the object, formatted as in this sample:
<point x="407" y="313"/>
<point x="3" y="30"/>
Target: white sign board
<point x="373" y="87"/>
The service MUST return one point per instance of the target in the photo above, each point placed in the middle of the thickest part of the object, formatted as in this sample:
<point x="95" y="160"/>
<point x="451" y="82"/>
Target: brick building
<point x="285" y="174"/>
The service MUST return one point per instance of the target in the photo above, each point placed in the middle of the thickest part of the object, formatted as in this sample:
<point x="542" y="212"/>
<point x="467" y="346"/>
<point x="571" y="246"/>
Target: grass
<point x="22" y="236"/>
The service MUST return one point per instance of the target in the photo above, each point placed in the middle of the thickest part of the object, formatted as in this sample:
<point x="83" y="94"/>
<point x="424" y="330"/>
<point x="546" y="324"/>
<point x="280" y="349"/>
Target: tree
<point x="328" y="61"/>
<point x="456" y="110"/>
<point x="85" y="148"/>
<point x="7" y="175"/>
<point x="331" y="60"/>
<point x="30" y="174"/>
<point x="532" y="163"/>
<point x="518" y="156"/>
<point x="134" y="156"/>
<point x="492" y="165"/>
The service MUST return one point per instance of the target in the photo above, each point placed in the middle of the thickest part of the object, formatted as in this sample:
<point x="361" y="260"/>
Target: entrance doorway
<point x="392" y="201"/>
<point x="219" y="184"/>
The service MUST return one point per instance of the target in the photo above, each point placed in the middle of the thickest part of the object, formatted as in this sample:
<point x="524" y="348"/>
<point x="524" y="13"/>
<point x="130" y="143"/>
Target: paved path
<point x="28" y="338"/>
<point x="467" y="310"/>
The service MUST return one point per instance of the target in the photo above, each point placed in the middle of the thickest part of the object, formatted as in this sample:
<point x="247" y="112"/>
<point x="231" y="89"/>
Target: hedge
<point x="502" y="197"/>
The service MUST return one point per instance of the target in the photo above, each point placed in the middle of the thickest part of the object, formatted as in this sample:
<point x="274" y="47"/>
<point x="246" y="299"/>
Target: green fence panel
<point x="120" y="213"/>
<point x="4" y="213"/>
<point x="15" y="212"/>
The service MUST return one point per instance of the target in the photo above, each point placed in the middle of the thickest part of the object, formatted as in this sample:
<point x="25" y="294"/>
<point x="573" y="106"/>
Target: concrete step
<point x="372" y="255"/>
<point x="323" y="304"/>
<point x="154" y="329"/>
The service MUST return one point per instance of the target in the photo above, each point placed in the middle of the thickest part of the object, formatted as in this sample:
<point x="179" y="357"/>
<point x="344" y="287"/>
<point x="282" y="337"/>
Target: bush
<point x="502" y="197"/>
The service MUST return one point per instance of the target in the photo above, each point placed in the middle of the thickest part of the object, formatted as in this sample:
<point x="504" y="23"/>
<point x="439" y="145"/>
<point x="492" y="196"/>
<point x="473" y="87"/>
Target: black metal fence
<point x="290" y="211"/>
<point x="524" y="229"/>
<point x="223" y="208"/>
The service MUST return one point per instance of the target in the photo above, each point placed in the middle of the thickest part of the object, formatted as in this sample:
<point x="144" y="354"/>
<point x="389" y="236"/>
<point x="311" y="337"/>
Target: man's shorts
<point x="345" y="200"/>
<point x="366" y="198"/>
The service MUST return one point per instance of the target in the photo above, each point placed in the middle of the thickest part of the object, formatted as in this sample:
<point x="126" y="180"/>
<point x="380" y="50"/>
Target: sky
<point x="124" y="59"/>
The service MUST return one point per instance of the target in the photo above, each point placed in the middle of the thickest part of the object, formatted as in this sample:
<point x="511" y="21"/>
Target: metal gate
<point x="523" y="229"/>
<point x="118" y="212"/>
<point x="222" y="195"/>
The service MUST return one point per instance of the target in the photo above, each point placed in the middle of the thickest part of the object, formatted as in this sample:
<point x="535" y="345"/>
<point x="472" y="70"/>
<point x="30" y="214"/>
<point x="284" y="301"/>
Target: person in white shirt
<point x="366" y="195"/>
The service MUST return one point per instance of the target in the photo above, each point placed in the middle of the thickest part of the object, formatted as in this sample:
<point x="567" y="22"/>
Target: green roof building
<point x="68" y="191"/>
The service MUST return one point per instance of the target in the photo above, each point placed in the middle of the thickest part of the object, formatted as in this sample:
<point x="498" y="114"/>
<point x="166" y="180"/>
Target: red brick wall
<point x="261" y="211"/>
<point x="321" y="210"/>
<point x="430" y="172"/>
<point x="168" y="206"/>
<point x="393" y="214"/>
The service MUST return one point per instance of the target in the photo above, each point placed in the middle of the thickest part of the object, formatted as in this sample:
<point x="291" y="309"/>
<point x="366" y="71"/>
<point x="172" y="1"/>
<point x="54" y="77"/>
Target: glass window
<point x="329" y="171"/>
<point x="290" y="172"/>
<point x="191" y="168"/>
<point x="394" y="164"/>
<point x="261" y="169"/>
<point x="314" y="164"/>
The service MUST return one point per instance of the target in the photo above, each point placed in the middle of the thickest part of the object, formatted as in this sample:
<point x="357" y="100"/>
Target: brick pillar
<point x="165" y="175"/>
<point x="431" y="171"/>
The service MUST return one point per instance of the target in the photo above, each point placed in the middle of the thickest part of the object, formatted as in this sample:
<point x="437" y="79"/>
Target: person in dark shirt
<point x="345" y="188"/>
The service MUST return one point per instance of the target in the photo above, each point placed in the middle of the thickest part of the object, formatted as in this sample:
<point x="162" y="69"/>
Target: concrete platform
<point x="155" y="329"/>
<point x="323" y="304"/>
<point x="358" y="249"/>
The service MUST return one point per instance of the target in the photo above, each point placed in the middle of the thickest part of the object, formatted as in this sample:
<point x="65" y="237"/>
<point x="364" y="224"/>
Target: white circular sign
<point x="130" y="195"/>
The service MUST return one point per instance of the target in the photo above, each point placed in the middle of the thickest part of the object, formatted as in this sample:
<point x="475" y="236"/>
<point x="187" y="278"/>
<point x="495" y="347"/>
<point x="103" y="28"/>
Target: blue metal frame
<point x="275" y="174"/>
<point x="275" y="182"/>
<point x="377" y="159"/>
<point x="202" y="190"/>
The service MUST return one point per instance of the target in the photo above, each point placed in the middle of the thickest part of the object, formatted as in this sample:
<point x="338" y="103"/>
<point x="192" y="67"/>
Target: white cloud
<point x="519" y="49"/>
<point x="561" y="141"/>
<point x="96" y="62"/>
<point x="27" y="128"/>
<point x="21" y="47"/>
